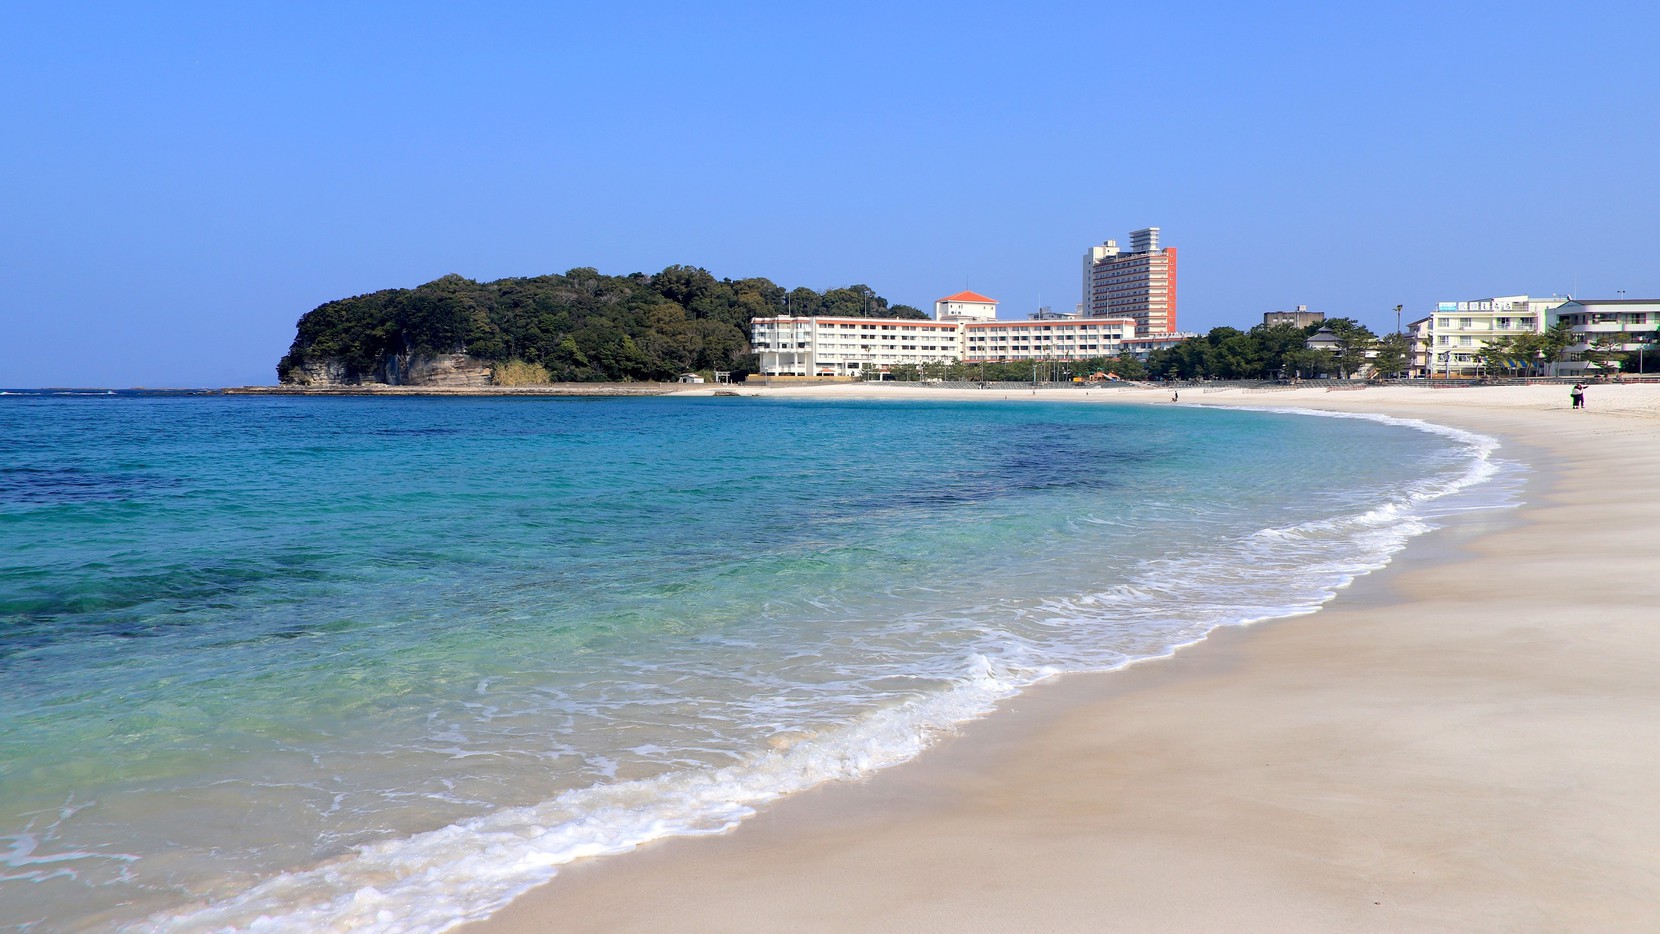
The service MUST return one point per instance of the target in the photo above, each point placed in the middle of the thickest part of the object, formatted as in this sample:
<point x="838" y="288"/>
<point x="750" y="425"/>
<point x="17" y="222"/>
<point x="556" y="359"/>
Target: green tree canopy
<point x="1267" y="351"/>
<point x="1394" y="355"/>
<point x="581" y="325"/>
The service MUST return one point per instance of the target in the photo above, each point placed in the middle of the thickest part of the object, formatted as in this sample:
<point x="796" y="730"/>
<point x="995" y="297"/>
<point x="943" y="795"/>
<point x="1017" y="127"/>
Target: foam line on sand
<point x="1469" y="740"/>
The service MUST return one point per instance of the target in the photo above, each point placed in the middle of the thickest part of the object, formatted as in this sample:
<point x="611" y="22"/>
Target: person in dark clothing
<point x="1578" y="395"/>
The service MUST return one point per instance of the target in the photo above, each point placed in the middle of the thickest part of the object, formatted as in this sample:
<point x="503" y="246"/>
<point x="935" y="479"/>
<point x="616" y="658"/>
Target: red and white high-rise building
<point x="1139" y="283"/>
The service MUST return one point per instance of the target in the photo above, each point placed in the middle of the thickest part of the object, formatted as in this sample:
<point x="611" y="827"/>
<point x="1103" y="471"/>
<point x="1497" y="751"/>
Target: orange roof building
<point x="965" y="306"/>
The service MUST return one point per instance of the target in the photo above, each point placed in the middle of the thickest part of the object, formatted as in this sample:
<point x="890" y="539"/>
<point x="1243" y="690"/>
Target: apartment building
<point x="1139" y="283"/>
<point x="1420" y="341"/>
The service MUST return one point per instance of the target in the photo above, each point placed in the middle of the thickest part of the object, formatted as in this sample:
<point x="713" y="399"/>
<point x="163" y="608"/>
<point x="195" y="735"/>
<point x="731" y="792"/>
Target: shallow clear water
<point x="381" y="663"/>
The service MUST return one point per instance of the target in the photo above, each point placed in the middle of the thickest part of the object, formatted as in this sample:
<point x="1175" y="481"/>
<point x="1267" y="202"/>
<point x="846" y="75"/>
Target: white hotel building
<point x="790" y="346"/>
<point x="965" y="329"/>
<point x="1449" y="342"/>
<point x="1457" y="331"/>
<point x="1628" y="323"/>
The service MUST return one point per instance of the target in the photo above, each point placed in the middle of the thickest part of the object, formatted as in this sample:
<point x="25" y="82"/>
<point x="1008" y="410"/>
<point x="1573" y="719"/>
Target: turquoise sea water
<point x="380" y="664"/>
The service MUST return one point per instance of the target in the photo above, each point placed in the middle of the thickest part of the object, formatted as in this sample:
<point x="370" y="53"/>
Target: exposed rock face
<point x="320" y="373"/>
<point x="442" y="370"/>
<point x="445" y="371"/>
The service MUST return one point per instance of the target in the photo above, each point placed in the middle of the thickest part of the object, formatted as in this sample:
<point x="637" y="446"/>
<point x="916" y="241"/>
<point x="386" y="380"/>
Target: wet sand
<point x="1468" y="740"/>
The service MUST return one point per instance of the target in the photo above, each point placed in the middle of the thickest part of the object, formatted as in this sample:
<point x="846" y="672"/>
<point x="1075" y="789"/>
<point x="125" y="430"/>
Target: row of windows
<point x="1638" y="317"/>
<point x="908" y="328"/>
<point x="763" y="331"/>
<point x="1047" y="329"/>
<point x="881" y="327"/>
<point x="1114" y="276"/>
<point x="1530" y="324"/>
<point x="1041" y="338"/>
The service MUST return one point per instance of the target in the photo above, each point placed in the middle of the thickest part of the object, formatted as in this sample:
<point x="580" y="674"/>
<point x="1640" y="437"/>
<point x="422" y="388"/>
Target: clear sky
<point x="179" y="182"/>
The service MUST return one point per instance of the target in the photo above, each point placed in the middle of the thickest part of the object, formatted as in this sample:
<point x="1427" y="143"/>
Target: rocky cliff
<point x="443" y="371"/>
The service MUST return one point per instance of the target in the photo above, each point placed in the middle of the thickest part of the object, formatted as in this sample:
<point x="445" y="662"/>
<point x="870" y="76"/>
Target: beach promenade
<point x="1468" y="740"/>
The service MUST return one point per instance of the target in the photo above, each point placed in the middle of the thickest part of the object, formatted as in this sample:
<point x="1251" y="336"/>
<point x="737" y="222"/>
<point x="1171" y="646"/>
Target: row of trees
<point x="1605" y="352"/>
<point x="579" y="326"/>
<point x="1277" y="351"/>
<point x="1527" y="354"/>
<point x="1533" y="354"/>
<point x="1280" y="351"/>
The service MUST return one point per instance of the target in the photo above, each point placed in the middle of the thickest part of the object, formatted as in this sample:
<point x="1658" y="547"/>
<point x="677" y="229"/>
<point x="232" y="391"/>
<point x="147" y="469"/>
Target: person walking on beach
<point x="1578" y="395"/>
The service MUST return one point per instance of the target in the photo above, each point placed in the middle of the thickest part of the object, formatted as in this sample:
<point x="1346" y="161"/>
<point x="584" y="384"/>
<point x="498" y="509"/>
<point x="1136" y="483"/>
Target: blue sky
<point x="179" y="182"/>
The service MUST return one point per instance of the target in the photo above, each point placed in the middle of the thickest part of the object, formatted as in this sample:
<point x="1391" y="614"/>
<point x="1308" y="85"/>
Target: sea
<point x="296" y="664"/>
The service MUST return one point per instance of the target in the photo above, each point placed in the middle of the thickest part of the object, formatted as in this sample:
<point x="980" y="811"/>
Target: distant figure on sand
<point x="1578" y="395"/>
<point x="1175" y="394"/>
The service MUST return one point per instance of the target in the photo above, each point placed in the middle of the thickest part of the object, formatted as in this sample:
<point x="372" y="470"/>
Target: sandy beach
<point x="1467" y="740"/>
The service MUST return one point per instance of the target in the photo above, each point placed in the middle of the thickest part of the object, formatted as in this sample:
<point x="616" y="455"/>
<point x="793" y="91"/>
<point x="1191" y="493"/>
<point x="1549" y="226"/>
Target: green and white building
<point x="1449" y="342"/>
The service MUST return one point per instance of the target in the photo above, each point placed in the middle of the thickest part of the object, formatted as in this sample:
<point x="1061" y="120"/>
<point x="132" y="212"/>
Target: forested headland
<point x="580" y="326"/>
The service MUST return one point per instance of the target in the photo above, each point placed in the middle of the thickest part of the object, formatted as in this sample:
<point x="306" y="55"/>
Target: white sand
<point x="1469" y="740"/>
<point x="1604" y="398"/>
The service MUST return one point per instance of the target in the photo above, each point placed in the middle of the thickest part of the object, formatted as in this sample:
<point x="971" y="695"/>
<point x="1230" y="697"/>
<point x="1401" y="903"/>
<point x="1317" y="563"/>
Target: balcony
<point x="1611" y="327"/>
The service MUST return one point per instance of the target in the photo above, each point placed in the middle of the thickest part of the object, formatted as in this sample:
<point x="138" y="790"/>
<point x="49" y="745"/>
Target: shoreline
<point x="1398" y="787"/>
<point x="380" y="389"/>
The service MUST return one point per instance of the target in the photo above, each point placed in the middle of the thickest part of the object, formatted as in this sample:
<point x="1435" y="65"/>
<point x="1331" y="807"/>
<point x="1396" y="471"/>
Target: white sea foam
<point x="23" y="858"/>
<point x="466" y="871"/>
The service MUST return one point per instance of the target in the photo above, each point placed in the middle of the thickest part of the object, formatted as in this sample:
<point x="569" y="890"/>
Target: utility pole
<point x="1621" y="293"/>
<point x="1399" y="343"/>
